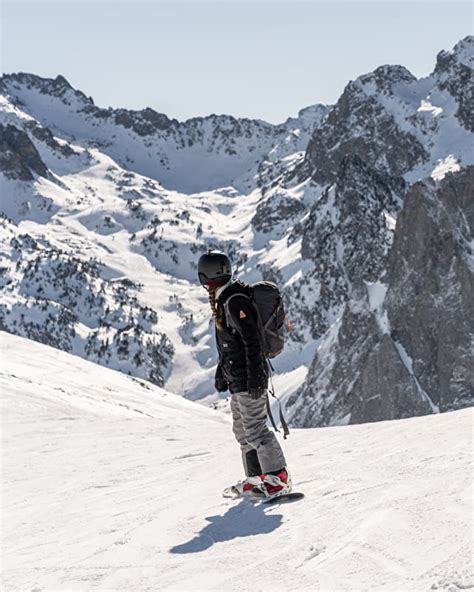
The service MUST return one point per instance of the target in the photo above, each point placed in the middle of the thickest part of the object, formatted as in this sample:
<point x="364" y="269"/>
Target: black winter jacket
<point x="241" y="362"/>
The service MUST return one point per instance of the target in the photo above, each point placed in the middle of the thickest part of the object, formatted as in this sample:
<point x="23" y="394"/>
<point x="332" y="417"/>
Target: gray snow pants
<point x="249" y="419"/>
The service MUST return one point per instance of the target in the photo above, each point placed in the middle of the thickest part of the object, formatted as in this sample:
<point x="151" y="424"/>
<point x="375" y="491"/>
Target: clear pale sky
<point x="264" y="59"/>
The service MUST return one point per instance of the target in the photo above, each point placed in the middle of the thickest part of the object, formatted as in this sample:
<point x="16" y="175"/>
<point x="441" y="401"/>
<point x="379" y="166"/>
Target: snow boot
<point x="273" y="485"/>
<point x="243" y="488"/>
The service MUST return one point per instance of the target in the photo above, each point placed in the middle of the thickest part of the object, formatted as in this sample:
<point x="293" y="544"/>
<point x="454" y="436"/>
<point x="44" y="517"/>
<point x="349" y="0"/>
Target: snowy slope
<point x="114" y="484"/>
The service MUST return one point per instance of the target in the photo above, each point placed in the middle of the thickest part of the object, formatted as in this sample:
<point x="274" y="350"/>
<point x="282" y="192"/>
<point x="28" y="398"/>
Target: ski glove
<point x="220" y="383"/>
<point x="256" y="393"/>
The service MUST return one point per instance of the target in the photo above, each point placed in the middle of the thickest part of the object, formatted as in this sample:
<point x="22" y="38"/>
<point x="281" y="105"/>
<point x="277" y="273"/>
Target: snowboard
<point x="286" y="498"/>
<point x="293" y="496"/>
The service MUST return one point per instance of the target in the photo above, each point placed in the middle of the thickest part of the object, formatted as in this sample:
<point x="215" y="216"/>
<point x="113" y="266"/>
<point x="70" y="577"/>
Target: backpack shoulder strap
<point x="228" y="316"/>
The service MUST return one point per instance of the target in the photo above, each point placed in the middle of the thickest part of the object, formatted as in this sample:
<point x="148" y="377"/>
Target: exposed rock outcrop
<point x="430" y="301"/>
<point x="346" y="236"/>
<point x="454" y="70"/>
<point x="361" y="124"/>
<point x="409" y="351"/>
<point x="19" y="158"/>
<point x="278" y="209"/>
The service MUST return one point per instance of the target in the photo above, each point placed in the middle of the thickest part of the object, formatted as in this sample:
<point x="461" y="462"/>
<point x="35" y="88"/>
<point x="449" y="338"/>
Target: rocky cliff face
<point x="454" y="72"/>
<point x="395" y="122"/>
<point x="430" y="300"/>
<point x="19" y="158"/>
<point x="404" y="346"/>
<point x="362" y="124"/>
<point x="345" y="237"/>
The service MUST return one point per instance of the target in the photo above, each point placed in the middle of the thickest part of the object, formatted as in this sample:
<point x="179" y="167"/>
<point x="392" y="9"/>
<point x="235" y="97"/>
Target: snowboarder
<point x="243" y="370"/>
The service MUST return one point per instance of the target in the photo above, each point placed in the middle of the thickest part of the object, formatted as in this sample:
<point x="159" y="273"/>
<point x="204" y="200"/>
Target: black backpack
<point x="268" y="305"/>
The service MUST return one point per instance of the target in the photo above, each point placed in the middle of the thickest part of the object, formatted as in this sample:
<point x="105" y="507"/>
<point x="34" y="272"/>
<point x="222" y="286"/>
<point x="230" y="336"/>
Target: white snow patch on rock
<point x="444" y="166"/>
<point x="427" y="106"/>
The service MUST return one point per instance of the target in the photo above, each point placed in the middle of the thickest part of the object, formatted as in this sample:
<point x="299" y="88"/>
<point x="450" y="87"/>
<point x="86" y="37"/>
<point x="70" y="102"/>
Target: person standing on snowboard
<point x="243" y="370"/>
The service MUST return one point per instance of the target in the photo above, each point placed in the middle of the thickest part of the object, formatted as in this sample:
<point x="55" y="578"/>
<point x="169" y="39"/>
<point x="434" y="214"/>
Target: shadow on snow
<point x="242" y="520"/>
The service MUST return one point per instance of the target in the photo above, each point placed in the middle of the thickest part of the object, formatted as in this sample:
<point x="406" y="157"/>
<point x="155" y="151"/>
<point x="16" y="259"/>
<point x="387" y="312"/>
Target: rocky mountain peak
<point x="387" y="118"/>
<point x="57" y="87"/>
<point x="462" y="53"/>
<point x="144" y="122"/>
<point x="455" y="73"/>
<point x="360" y="123"/>
<point x="308" y="116"/>
<point x="383" y="79"/>
<point x="61" y="82"/>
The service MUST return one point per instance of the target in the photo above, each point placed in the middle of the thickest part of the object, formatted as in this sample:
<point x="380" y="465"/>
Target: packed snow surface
<point x="110" y="483"/>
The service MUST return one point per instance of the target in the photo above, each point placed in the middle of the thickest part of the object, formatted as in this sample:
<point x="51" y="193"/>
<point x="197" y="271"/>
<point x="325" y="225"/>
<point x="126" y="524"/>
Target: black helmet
<point x="214" y="268"/>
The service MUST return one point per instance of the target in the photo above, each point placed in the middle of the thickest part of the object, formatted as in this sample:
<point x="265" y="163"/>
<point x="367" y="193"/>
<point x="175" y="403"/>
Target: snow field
<point x="110" y="483"/>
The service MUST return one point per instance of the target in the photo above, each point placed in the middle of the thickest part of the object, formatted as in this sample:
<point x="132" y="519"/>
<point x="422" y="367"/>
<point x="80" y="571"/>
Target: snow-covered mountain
<point x="107" y="210"/>
<point x="115" y="484"/>
<point x="400" y="124"/>
<point x="199" y="154"/>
